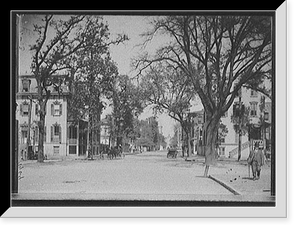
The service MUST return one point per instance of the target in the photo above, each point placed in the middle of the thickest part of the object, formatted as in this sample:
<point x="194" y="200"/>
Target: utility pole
<point x="240" y="124"/>
<point x="29" y="126"/>
<point x="264" y="123"/>
<point x="88" y="135"/>
<point x="240" y="114"/>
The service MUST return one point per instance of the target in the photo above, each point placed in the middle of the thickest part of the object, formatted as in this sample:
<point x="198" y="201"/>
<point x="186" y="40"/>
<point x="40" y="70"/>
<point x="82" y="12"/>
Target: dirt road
<point x="149" y="173"/>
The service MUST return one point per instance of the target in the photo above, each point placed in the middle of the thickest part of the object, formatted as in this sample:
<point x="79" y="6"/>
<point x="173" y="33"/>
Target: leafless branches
<point x="215" y="52"/>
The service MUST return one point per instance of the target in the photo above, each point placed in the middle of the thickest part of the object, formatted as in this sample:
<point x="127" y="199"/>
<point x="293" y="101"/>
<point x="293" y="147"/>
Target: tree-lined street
<point x="144" y="176"/>
<point x="96" y="110"/>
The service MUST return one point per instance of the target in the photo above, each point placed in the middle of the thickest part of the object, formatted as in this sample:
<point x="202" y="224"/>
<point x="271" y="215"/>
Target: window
<point x="24" y="130"/>
<point x="253" y="108"/>
<point x="55" y="150"/>
<point x="266" y="116"/>
<point x="72" y="132"/>
<point x="36" y="109"/>
<point x="24" y="109"/>
<point x="222" y="151"/>
<point x="253" y="93"/>
<point x="23" y="137"/>
<point x="72" y="149"/>
<point x="56" y="130"/>
<point x="26" y="85"/>
<point x="55" y="133"/>
<point x="56" y="109"/>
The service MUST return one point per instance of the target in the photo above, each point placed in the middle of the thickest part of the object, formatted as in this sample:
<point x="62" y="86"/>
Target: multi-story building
<point x="259" y="109"/>
<point x="27" y="114"/>
<point x="259" y="117"/>
<point x="62" y="136"/>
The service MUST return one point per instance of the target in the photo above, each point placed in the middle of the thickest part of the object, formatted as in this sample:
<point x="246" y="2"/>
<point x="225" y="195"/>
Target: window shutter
<point x="52" y="133"/>
<point x="45" y="133"/>
<point x="59" y="130"/>
<point x="52" y="109"/>
<point x="21" y="109"/>
<point x="60" y="109"/>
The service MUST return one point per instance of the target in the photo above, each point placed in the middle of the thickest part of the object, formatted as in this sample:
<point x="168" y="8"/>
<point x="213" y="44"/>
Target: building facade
<point x="56" y="142"/>
<point x="258" y="115"/>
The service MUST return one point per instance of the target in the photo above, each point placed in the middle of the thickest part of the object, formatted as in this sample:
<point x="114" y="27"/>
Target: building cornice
<point x="34" y="95"/>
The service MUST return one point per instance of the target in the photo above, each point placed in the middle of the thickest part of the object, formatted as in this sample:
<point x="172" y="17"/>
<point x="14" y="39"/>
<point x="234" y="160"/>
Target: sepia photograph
<point x="147" y="109"/>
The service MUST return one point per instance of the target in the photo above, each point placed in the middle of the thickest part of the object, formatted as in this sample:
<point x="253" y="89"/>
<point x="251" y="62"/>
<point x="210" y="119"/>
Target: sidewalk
<point x="235" y="176"/>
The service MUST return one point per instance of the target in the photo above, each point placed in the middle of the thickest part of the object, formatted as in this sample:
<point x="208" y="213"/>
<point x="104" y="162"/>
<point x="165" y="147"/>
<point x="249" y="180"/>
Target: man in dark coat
<point x="256" y="160"/>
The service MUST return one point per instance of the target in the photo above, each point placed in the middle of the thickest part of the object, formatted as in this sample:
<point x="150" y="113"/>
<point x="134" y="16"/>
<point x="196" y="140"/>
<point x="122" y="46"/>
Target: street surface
<point x="145" y="173"/>
<point x="148" y="175"/>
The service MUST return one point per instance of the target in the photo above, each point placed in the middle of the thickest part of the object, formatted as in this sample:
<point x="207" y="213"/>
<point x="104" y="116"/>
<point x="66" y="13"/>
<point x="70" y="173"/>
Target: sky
<point x="122" y="54"/>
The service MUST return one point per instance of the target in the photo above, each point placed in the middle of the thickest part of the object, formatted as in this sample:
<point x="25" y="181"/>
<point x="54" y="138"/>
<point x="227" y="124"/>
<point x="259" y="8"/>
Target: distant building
<point x="105" y="132"/>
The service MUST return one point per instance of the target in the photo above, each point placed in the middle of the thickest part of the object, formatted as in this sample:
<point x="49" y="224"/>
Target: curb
<point x="232" y="190"/>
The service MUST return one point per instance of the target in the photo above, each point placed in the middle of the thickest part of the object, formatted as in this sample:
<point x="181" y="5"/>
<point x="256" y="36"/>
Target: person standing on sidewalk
<point x="256" y="160"/>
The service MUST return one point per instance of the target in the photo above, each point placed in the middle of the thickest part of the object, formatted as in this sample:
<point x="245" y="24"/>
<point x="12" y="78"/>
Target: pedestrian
<point x="25" y="155"/>
<point x="256" y="160"/>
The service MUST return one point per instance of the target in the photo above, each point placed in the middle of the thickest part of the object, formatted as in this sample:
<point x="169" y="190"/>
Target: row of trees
<point x="74" y="50"/>
<point x="77" y="48"/>
<point x="211" y="57"/>
<point x="207" y="58"/>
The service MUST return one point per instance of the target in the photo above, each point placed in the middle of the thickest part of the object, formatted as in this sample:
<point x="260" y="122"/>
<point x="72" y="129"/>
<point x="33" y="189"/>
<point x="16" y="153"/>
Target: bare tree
<point x="48" y="54"/>
<point x="219" y="55"/>
<point x="59" y="40"/>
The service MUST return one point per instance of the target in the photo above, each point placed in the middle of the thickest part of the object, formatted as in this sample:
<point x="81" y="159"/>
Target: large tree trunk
<point x="188" y="142"/>
<point x="211" y="135"/>
<point x="41" y="126"/>
<point x="88" y="143"/>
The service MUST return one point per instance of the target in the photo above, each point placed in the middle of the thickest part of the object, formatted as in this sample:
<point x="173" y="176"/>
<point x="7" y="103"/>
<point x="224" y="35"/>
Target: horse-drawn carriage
<point x="172" y="153"/>
<point x="114" y="153"/>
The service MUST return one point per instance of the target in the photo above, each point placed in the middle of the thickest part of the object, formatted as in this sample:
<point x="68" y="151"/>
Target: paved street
<point x="148" y="175"/>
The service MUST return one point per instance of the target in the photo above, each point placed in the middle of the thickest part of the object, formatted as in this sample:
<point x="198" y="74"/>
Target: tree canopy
<point x="219" y="54"/>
